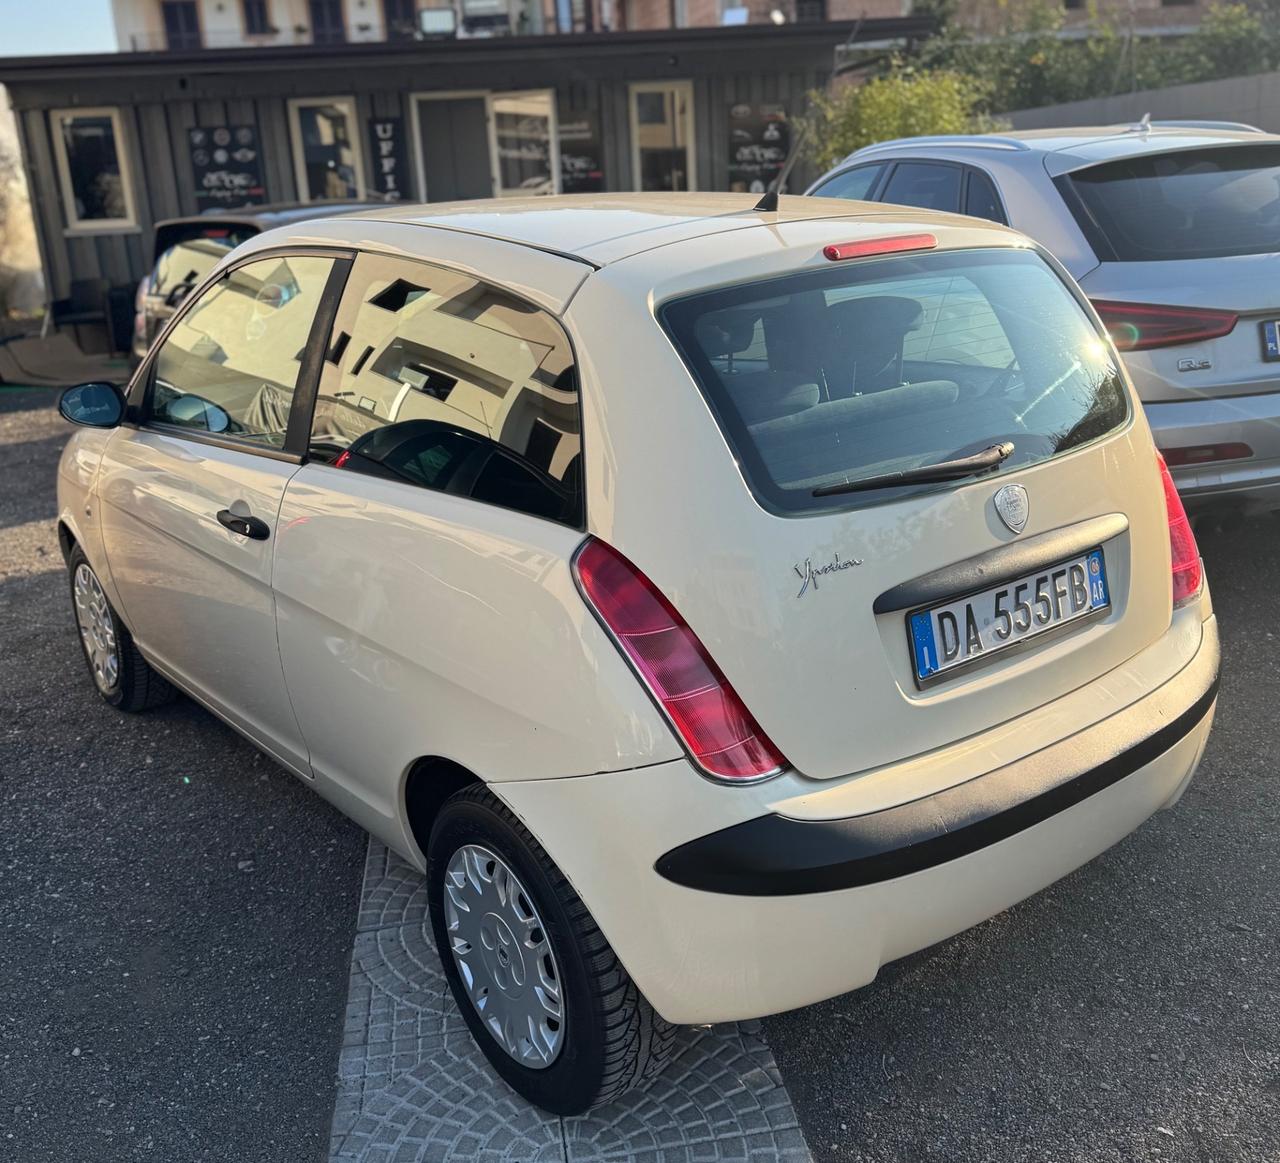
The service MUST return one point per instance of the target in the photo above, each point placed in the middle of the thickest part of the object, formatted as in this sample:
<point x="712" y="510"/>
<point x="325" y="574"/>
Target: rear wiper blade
<point x="944" y="470"/>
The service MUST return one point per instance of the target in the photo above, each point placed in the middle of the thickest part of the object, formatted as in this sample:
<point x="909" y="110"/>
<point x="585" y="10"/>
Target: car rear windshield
<point x="879" y="366"/>
<point x="1204" y="203"/>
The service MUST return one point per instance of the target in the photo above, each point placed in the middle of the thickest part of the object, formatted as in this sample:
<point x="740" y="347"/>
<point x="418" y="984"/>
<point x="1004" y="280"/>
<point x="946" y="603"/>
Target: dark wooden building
<point x="115" y="142"/>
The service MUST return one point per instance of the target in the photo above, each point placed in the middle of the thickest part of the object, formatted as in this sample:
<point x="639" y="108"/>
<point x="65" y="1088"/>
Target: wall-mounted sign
<point x="227" y="166"/>
<point x="390" y="158"/>
<point x="581" y="168"/>
<point x="759" y="141"/>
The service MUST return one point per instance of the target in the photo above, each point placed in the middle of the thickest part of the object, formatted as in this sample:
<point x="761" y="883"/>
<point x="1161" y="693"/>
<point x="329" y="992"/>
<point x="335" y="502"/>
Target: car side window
<point x="925" y="184"/>
<point x="855" y="184"/>
<point x="981" y="199"/>
<point x="444" y="381"/>
<point x="230" y="364"/>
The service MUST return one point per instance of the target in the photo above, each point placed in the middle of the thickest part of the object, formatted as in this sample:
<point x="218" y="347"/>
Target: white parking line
<point x="412" y="1087"/>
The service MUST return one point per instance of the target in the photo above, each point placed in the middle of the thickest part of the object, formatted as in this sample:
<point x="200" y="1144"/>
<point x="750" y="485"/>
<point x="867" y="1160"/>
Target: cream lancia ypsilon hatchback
<point x="715" y="603"/>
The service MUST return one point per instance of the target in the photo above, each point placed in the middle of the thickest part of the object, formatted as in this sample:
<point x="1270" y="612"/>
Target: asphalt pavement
<point x="177" y="917"/>
<point x="176" y="912"/>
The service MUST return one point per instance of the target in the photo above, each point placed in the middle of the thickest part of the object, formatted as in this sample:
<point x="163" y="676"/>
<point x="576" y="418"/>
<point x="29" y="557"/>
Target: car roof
<point x="603" y="228"/>
<point x="529" y="239"/>
<point x="1077" y="146"/>
<point x="269" y="216"/>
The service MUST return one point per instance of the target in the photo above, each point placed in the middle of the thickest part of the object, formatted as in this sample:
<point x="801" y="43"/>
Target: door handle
<point x="251" y="527"/>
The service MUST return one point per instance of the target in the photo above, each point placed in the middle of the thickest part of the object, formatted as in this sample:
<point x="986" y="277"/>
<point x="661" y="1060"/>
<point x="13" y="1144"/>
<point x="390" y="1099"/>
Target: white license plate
<point x="981" y="625"/>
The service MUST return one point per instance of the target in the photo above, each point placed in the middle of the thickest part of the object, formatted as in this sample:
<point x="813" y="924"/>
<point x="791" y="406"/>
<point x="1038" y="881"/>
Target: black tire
<point x="613" y="1039"/>
<point x="136" y="687"/>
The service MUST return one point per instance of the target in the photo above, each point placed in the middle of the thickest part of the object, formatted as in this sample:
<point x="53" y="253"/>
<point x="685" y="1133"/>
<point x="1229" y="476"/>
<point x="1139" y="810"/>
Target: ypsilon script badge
<point x="1013" y="507"/>
<point x="809" y="573"/>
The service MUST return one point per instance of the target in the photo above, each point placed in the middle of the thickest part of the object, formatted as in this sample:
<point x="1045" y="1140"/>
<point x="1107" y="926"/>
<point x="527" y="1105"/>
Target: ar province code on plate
<point x="983" y="624"/>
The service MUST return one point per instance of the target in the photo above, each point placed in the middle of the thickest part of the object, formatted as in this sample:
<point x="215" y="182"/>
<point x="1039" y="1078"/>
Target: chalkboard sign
<point x="390" y="167"/>
<point x="227" y="167"/>
<point x="759" y="141"/>
<point x="581" y="170"/>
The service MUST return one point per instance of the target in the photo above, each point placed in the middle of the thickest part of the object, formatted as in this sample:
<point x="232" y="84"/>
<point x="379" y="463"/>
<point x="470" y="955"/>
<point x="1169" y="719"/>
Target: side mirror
<point x="95" y="405"/>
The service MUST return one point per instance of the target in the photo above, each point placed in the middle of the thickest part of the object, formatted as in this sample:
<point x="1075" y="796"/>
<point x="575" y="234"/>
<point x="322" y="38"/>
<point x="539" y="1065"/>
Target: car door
<point x="423" y="593"/>
<point x="190" y="489"/>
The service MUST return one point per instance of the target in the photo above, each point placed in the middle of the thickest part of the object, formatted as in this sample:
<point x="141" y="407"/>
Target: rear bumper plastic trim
<point x="776" y="856"/>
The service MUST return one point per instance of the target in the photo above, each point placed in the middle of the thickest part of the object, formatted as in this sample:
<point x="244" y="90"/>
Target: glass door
<point x="662" y="155"/>
<point x="524" y="145"/>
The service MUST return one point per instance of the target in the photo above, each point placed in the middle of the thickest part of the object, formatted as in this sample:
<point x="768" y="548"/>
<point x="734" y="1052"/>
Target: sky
<point x="44" y="27"/>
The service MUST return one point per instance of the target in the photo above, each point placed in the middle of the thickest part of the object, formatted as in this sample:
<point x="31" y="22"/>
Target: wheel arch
<point x="429" y="781"/>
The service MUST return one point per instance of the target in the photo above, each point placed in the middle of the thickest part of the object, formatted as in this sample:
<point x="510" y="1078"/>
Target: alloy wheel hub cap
<point x="93" y="617"/>
<point x="504" y="956"/>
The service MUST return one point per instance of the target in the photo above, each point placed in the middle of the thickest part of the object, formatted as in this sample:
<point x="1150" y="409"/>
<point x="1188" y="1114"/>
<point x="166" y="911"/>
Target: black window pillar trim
<point x="298" y="433"/>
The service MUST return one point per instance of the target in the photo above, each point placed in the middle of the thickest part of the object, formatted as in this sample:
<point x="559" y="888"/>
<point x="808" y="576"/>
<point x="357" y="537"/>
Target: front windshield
<point x="875" y="367"/>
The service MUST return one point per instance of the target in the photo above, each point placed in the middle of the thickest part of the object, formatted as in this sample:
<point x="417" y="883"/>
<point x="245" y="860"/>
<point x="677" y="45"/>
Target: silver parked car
<point x="1173" y="231"/>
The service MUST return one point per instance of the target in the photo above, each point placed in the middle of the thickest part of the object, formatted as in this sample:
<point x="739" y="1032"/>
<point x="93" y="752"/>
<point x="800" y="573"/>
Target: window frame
<point x="341" y="300"/>
<point x="350" y="107"/>
<point x="633" y="122"/>
<point x="138" y="393"/>
<point x="74" y="224"/>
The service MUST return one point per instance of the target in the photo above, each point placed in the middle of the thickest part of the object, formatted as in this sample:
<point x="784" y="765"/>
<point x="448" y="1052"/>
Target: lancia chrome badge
<point x="1013" y="507"/>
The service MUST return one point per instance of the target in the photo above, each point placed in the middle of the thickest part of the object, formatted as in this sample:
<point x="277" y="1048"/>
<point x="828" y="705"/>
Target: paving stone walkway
<point x="413" y="1088"/>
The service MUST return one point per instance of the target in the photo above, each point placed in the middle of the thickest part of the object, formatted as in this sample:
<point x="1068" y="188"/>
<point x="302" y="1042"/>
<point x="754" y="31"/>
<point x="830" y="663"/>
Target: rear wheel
<point x="122" y="676"/>
<point x="541" y="990"/>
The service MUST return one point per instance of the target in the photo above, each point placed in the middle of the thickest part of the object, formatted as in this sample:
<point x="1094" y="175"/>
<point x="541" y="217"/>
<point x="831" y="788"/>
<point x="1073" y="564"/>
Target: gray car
<point x="185" y="250"/>
<point x="1173" y="231"/>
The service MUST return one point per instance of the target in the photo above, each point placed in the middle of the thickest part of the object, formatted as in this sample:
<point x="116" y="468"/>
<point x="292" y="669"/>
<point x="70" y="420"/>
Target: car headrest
<point x="726" y="332"/>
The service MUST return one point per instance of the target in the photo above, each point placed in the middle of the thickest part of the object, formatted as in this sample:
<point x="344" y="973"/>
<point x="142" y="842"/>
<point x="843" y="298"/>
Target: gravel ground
<point x="1132" y="1011"/>
<point x="176" y="912"/>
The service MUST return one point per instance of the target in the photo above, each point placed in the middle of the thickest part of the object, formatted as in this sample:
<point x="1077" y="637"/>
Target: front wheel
<point x="541" y="990"/>
<point x="123" y="677"/>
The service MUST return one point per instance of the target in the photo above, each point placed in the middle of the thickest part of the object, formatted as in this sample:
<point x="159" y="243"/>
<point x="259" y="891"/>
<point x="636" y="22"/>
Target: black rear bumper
<point x="778" y="856"/>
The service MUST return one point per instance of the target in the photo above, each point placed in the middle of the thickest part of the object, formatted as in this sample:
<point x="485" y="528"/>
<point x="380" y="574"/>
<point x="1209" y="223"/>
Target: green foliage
<point x="1026" y="62"/>
<point x="904" y="103"/>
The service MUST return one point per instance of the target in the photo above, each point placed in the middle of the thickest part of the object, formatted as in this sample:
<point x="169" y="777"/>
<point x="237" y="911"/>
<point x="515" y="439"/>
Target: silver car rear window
<point x="878" y="366"/>
<point x="1204" y="203"/>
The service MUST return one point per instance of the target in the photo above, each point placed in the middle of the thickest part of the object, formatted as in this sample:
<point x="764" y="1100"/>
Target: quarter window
<point x="981" y="199"/>
<point x="96" y="189"/>
<point x="440" y="380"/>
<point x="855" y="184"/>
<point x="931" y="187"/>
<point x="326" y="149"/>
<point x="231" y="363"/>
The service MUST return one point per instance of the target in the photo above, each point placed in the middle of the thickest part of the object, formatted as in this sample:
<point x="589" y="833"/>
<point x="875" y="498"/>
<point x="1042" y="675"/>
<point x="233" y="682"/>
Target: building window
<point x="662" y="154"/>
<point x="327" y="26"/>
<point x="92" y="169"/>
<point x="181" y="24"/>
<point x="326" y="149"/>
<point x="257" y="20"/>
<point x="402" y="19"/>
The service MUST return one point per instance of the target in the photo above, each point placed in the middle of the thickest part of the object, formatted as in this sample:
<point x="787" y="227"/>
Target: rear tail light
<point x="1205" y="453"/>
<point x="1140" y="326"/>
<point x="705" y="711"/>
<point x="1184" y="552"/>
